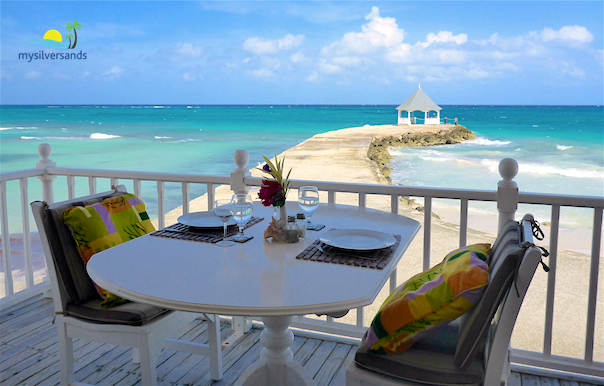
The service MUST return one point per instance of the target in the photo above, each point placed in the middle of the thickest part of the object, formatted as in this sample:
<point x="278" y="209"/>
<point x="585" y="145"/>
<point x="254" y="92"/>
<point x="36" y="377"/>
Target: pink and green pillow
<point x="429" y="300"/>
<point x="100" y="226"/>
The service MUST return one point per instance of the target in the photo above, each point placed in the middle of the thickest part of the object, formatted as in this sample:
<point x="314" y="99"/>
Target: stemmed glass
<point x="242" y="208"/>
<point x="222" y="210"/>
<point x="308" y="200"/>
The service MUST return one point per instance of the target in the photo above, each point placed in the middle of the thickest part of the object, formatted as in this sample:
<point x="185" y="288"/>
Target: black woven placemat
<point x="213" y="235"/>
<point x="376" y="259"/>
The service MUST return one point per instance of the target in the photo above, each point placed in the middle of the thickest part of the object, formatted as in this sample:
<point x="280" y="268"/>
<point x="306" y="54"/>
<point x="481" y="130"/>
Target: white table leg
<point x="276" y="365"/>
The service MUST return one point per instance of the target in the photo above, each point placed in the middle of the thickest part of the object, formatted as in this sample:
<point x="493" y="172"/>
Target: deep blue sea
<point x="560" y="149"/>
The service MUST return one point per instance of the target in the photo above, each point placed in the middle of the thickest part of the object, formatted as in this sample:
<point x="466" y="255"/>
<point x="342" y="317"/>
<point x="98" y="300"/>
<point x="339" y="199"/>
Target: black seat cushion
<point x="429" y="361"/>
<point x="68" y="263"/>
<point x="131" y="313"/>
<point x="504" y="260"/>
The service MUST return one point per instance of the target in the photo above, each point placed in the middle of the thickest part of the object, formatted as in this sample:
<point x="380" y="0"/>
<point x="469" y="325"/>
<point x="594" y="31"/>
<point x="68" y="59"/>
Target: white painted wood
<point x="6" y="261"/>
<point x="551" y="282"/>
<point x="44" y="151"/>
<point x="427" y="232"/>
<point x="148" y="339"/>
<point x="276" y="365"/>
<point x="463" y="223"/>
<point x="186" y="190"/>
<point x="256" y="278"/>
<point x="362" y="200"/>
<point x="71" y="187"/>
<point x="593" y="286"/>
<point x="92" y="185"/>
<point x="507" y="191"/>
<point x="161" y="212"/>
<point x="137" y="187"/>
<point x="29" y="271"/>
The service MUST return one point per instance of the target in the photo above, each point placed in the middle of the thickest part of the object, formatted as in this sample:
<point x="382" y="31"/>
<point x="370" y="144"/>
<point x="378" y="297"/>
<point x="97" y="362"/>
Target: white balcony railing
<point x="20" y="283"/>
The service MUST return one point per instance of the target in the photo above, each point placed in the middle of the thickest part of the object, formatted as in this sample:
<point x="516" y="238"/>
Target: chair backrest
<point x="69" y="280"/>
<point x="512" y="263"/>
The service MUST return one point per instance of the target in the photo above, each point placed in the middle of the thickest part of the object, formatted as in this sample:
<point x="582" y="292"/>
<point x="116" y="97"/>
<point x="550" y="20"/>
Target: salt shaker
<point x="301" y="221"/>
<point x="291" y="230"/>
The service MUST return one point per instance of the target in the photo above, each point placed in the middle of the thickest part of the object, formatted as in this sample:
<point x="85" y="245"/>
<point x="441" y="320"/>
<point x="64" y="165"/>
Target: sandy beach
<point x="341" y="156"/>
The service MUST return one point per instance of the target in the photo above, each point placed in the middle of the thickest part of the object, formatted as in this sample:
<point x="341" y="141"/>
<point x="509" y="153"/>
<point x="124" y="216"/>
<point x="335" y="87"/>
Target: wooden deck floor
<point x="28" y="356"/>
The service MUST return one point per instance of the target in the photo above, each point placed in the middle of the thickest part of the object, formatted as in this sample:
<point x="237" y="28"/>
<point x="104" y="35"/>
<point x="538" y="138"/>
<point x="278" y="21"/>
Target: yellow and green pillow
<point x="429" y="300"/>
<point x="106" y="224"/>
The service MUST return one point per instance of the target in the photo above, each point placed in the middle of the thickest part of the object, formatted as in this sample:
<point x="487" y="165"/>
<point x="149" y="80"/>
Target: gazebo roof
<point x="419" y="101"/>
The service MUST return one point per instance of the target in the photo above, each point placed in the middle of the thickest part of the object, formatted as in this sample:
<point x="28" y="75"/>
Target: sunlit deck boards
<point x="28" y="356"/>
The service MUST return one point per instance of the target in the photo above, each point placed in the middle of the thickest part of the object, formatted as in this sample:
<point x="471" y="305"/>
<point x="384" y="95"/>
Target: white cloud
<point x="570" y="34"/>
<point x="188" y="50"/>
<point x="298" y="57"/>
<point x="261" y="46"/>
<point x="380" y="32"/>
<point x="114" y="73"/>
<point x="189" y="77"/>
<point x="444" y="37"/>
<point x="33" y="75"/>
<point x="262" y="73"/>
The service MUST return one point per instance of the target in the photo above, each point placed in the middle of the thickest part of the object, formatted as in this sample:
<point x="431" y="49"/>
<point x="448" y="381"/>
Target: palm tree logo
<point x="75" y="27"/>
<point x="69" y="37"/>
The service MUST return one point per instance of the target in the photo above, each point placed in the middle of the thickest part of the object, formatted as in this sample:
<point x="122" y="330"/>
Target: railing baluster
<point x="6" y="251"/>
<point x="137" y="186"/>
<point x="161" y="216"/>
<point x="360" y="316"/>
<point x="362" y="200"/>
<point x="593" y="287"/>
<point x="211" y="195"/>
<point x="394" y="203"/>
<point x="427" y="230"/>
<point x="463" y="223"/>
<point x="186" y="190"/>
<point x="393" y="280"/>
<point x="71" y="187"/>
<point x="331" y="196"/>
<point x="29" y="270"/>
<point x="551" y="282"/>
<point x="115" y="181"/>
<point x="92" y="185"/>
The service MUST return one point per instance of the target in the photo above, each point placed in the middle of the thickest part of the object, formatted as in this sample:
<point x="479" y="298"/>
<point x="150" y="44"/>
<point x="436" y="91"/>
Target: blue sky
<point x="343" y="52"/>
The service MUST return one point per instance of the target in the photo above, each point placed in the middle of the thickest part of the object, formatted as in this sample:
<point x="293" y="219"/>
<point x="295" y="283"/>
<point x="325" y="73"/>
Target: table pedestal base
<point x="276" y="365"/>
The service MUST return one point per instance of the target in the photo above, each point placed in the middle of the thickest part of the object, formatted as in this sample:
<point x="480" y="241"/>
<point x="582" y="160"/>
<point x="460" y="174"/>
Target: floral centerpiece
<point x="273" y="192"/>
<point x="274" y="189"/>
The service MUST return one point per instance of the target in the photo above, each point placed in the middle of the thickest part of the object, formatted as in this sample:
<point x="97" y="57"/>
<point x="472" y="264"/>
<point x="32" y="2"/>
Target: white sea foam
<point x="53" y="138"/>
<point x="158" y="137"/>
<point x="562" y="147"/>
<point x="102" y="136"/>
<point x="543" y="169"/>
<point x="17" y="128"/>
<point x="486" y="142"/>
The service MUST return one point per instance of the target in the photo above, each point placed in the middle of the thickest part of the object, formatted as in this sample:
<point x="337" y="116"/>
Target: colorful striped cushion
<point x="429" y="300"/>
<point x="106" y="224"/>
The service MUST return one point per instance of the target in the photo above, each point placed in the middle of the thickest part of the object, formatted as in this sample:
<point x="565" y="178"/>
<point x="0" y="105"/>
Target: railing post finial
<point x="507" y="191"/>
<point x="44" y="151"/>
<point x="241" y="159"/>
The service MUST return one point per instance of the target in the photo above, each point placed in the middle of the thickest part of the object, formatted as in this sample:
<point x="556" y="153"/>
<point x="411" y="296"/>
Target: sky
<point x="302" y="52"/>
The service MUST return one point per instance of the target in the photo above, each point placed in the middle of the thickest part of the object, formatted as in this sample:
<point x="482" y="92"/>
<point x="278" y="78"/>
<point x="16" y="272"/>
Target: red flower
<point x="271" y="193"/>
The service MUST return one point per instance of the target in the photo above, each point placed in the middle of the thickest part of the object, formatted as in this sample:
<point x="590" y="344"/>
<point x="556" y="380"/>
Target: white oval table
<point x="256" y="278"/>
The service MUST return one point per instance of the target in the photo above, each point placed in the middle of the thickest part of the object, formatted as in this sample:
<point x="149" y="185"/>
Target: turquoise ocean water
<point x="560" y="149"/>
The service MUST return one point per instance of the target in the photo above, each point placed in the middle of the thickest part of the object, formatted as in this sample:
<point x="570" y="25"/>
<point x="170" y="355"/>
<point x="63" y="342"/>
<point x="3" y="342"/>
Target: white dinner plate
<point x="358" y="239"/>
<point x="202" y="220"/>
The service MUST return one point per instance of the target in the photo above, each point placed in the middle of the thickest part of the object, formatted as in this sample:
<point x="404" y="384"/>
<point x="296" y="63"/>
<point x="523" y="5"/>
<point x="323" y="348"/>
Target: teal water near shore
<point x="560" y="149"/>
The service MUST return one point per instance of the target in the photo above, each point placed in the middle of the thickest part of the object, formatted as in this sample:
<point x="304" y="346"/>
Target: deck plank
<point x="29" y="356"/>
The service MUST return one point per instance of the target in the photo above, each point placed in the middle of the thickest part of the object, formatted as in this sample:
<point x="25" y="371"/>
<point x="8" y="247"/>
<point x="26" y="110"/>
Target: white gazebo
<point x="419" y="101"/>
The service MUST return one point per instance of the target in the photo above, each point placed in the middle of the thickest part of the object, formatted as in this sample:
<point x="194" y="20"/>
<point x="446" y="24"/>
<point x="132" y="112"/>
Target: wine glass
<point x="308" y="200"/>
<point x="222" y="210"/>
<point x="242" y="208"/>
